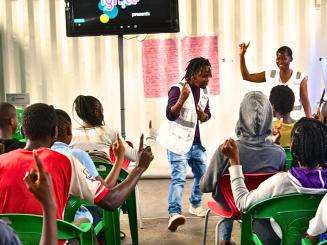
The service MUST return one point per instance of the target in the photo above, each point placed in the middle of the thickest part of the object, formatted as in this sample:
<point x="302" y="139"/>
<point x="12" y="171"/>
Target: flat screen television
<point x="119" y="17"/>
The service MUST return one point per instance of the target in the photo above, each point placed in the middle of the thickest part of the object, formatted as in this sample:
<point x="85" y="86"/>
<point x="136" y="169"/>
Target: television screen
<point x="112" y="17"/>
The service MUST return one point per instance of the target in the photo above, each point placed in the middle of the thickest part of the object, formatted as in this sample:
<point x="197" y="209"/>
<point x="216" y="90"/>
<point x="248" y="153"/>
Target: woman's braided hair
<point x="309" y="142"/>
<point x="89" y="109"/>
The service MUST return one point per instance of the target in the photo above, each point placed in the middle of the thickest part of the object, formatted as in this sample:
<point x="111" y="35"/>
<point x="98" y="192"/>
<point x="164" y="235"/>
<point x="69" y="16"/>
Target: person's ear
<point x="11" y="121"/>
<point x="54" y="133"/>
<point x="69" y="131"/>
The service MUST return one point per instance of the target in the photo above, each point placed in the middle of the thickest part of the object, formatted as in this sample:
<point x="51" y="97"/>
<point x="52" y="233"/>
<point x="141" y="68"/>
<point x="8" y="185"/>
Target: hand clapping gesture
<point x="229" y="149"/>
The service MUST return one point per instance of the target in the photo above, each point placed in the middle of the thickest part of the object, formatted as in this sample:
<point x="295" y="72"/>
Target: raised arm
<point x="119" y="150"/>
<point x="254" y="77"/>
<point x="117" y="195"/>
<point x="305" y="97"/>
<point x="176" y="108"/>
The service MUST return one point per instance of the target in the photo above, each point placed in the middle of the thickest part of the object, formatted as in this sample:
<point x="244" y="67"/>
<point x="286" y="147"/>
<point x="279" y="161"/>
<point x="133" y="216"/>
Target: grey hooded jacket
<point x="257" y="151"/>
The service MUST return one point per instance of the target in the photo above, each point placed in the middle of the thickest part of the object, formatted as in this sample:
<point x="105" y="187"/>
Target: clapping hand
<point x="230" y="150"/>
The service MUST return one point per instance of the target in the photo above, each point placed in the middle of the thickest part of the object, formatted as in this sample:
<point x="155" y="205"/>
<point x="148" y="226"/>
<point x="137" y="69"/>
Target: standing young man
<point x="188" y="103"/>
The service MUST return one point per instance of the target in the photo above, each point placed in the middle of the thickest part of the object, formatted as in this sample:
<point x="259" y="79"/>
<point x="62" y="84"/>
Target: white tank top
<point x="273" y="78"/>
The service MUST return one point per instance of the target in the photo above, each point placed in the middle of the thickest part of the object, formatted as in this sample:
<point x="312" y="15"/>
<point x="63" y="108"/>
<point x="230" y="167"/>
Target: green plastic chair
<point x="18" y="133"/>
<point x="104" y="167"/>
<point x="109" y="224"/>
<point x="29" y="229"/>
<point x="289" y="159"/>
<point x="306" y="241"/>
<point x="291" y="212"/>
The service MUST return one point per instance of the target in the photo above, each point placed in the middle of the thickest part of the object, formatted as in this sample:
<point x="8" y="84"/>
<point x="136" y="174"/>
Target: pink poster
<point x="160" y="66"/>
<point x="206" y="47"/>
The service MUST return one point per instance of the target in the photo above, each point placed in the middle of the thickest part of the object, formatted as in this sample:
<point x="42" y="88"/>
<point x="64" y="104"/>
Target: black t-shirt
<point x="12" y="144"/>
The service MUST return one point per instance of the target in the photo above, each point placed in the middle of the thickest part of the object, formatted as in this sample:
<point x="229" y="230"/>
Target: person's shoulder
<point x="49" y="154"/>
<point x="14" y="154"/>
<point x="175" y="88"/>
<point x="12" y="144"/>
<point x="79" y="153"/>
<point x="277" y="148"/>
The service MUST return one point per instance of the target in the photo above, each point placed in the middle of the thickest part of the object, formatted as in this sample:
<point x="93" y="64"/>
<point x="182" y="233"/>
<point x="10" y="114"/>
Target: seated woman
<point x="257" y="151"/>
<point x="309" y="149"/>
<point x="282" y="101"/>
<point x="94" y="136"/>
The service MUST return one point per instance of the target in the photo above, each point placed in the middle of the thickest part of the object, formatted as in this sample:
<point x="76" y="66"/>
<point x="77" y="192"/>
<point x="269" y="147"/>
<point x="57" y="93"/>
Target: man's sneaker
<point x="198" y="211"/>
<point x="175" y="220"/>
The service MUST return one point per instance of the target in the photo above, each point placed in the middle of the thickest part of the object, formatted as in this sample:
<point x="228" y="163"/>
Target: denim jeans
<point x="225" y="229"/>
<point x="196" y="158"/>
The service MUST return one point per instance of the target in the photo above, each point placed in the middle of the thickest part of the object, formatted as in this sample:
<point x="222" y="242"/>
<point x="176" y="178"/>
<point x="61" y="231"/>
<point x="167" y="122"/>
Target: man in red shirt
<point x="69" y="176"/>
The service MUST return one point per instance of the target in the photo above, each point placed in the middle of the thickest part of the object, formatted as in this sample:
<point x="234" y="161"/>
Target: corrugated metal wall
<point x="37" y="57"/>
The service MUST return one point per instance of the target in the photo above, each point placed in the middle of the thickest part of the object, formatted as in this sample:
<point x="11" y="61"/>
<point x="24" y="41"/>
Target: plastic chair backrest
<point x="104" y="167"/>
<point x="72" y="206"/>
<point x="291" y="212"/>
<point x="289" y="159"/>
<point x="112" y="156"/>
<point x="29" y="228"/>
<point x="18" y="133"/>
<point x="252" y="181"/>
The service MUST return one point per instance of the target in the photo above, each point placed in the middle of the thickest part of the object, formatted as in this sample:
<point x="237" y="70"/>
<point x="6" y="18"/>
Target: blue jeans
<point x="225" y="229"/>
<point x="196" y="158"/>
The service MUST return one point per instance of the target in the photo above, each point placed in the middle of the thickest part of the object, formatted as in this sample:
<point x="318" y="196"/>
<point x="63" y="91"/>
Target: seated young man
<point x="257" y="151"/>
<point x="69" y="177"/>
<point x="62" y="145"/>
<point x="39" y="183"/>
<point x="282" y="101"/>
<point x="309" y="147"/>
<point x="318" y="225"/>
<point x="8" y="126"/>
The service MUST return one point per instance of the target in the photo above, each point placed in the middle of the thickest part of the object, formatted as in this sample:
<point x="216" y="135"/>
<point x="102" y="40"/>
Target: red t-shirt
<point x="67" y="178"/>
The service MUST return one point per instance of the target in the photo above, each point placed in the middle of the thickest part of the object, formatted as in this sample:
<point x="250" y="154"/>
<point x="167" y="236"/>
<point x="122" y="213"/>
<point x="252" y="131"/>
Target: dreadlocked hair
<point x="89" y="109"/>
<point x="64" y="122"/>
<point x="309" y="142"/>
<point x="194" y="66"/>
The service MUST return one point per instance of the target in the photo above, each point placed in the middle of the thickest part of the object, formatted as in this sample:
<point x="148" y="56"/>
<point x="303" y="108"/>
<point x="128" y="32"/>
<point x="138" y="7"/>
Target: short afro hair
<point x="282" y="99"/>
<point x="309" y="142"/>
<point x="285" y="50"/>
<point x="64" y="122"/>
<point x="39" y="121"/>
